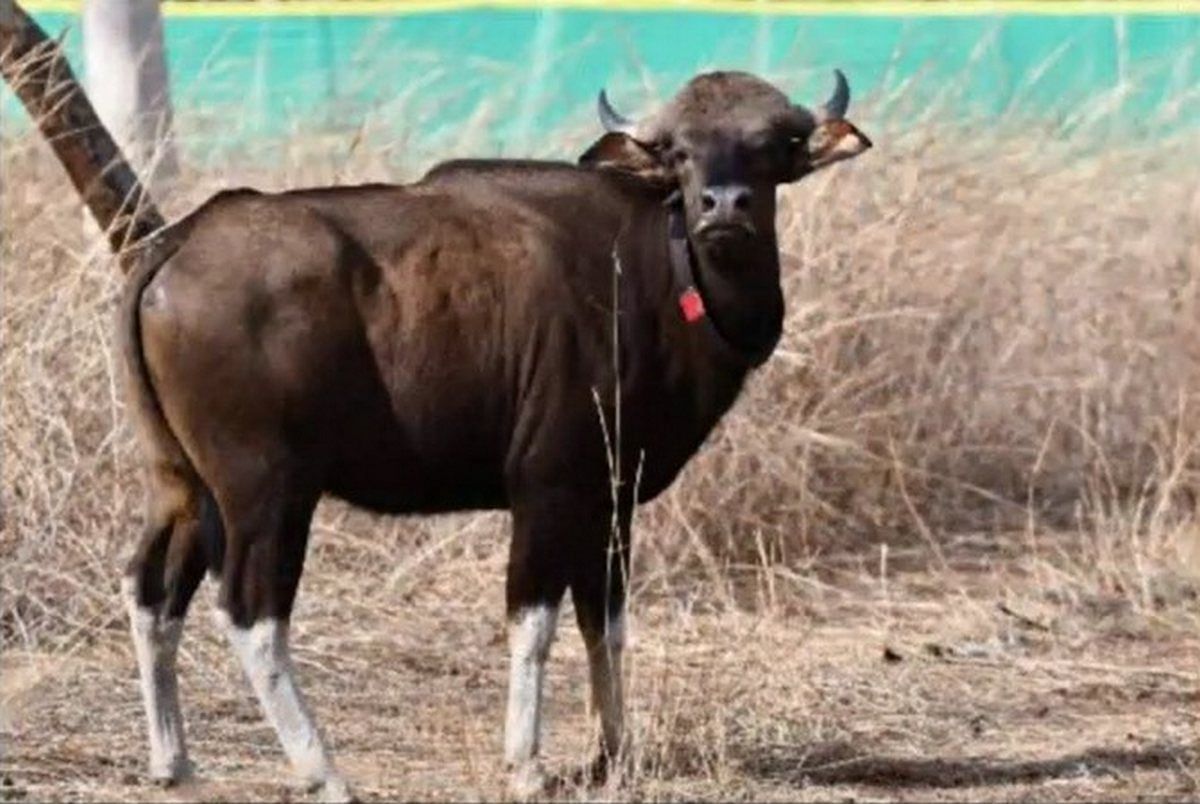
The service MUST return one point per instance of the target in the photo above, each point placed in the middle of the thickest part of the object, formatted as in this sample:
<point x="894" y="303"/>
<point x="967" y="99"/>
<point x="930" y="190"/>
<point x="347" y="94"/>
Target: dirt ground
<point x="982" y="671"/>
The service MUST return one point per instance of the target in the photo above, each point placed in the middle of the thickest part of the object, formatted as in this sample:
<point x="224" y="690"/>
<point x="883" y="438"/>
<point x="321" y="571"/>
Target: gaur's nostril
<point x="725" y="199"/>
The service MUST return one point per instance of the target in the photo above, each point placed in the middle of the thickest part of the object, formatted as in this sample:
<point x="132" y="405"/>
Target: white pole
<point x="126" y="75"/>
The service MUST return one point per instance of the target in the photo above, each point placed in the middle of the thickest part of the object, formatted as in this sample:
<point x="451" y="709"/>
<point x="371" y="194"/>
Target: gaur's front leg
<point x="563" y="538"/>
<point x="599" y="578"/>
<point x="538" y="573"/>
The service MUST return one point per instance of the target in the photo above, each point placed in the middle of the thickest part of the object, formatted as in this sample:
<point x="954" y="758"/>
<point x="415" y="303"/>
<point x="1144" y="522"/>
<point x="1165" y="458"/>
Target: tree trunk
<point x="37" y="71"/>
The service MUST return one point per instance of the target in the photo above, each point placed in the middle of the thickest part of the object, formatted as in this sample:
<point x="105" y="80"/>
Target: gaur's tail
<point x="37" y="71"/>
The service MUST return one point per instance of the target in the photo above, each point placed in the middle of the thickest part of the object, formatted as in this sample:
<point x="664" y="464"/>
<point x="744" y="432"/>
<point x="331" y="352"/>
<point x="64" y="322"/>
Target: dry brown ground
<point x="994" y="677"/>
<point x="945" y="547"/>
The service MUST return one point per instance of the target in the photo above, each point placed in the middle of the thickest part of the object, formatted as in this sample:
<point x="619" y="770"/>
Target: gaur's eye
<point x="671" y="153"/>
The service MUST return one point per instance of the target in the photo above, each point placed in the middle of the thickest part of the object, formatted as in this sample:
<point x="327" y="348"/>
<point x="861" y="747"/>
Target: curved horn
<point x="611" y="119"/>
<point x="835" y="107"/>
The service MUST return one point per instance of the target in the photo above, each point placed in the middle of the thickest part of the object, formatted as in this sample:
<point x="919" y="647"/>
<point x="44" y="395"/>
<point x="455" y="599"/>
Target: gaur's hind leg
<point x="267" y="516"/>
<point x="158" y="586"/>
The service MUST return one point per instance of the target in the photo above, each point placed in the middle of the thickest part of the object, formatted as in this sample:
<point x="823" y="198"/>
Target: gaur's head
<point x="724" y="143"/>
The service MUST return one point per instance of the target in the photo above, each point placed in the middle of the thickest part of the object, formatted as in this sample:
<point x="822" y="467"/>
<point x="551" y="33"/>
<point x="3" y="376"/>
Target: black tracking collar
<point x="691" y="303"/>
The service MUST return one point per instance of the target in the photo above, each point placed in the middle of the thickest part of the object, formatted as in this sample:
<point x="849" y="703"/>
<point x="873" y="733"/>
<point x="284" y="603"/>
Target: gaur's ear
<point x="833" y="137"/>
<point x="618" y="151"/>
<point x="831" y="141"/>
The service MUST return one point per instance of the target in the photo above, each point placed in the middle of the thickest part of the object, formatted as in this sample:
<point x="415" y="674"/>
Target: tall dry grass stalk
<point x="989" y="329"/>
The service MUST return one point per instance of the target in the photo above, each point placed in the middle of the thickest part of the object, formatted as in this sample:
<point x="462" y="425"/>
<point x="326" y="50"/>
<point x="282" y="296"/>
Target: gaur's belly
<point x="393" y="471"/>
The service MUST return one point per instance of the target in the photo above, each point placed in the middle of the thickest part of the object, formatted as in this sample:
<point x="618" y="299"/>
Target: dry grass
<point x="944" y="548"/>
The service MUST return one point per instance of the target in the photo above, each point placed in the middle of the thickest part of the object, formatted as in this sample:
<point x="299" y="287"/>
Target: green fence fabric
<point x="513" y="74"/>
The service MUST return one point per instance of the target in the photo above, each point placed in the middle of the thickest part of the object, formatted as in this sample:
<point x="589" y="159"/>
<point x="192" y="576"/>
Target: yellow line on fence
<point x="933" y="8"/>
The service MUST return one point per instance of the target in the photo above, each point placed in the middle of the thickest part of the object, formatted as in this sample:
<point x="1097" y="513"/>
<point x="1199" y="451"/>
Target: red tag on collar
<point x="691" y="305"/>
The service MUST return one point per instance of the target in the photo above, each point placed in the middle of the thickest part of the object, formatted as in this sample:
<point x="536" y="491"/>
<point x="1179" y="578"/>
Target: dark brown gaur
<point x="458" y="343"/>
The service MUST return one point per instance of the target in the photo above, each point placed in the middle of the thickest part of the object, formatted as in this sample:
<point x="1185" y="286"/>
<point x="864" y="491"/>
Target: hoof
<point x="527" y="782"/>
<point x="597" y="773"/>
<point x="332" y="790"/>
<point x="172" y="774"/>
<point x="606" y="770"/>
